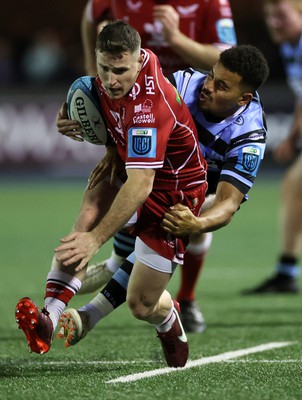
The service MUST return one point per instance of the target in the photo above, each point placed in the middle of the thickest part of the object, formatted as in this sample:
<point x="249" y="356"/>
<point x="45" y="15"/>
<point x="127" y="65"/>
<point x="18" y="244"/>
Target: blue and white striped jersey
<point x="292" y="59"/>
<point x="234" y="147"/>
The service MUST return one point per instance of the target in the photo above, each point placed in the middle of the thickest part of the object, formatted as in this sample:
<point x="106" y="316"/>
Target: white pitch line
<point x="289" y="361"/>
<point x="201" y="361"/>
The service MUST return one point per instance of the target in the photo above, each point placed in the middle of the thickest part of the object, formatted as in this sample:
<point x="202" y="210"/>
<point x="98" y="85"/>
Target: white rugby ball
<point x="83" y="105"/>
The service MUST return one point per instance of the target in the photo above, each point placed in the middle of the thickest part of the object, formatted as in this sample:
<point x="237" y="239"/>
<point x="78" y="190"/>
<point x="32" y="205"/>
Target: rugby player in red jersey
<point x="156" y="138"/>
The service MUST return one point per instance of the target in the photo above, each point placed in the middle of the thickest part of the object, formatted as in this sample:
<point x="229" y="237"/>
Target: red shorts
<point x="151" y="214"/>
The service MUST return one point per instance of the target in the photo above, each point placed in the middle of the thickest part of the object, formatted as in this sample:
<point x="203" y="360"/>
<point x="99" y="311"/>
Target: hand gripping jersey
<point x="292" y="59"/>
<point x="205" y="21"/>
<point x="234" y="147"/>
<point x="153" y="128"/>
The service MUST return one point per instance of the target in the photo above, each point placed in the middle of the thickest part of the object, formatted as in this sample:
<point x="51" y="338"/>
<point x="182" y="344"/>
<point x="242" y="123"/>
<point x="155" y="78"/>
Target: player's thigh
<point x="293" y="177"/>
<point x="146" y="284"/>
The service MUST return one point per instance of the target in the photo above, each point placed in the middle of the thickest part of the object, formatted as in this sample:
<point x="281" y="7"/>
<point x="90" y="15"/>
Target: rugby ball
<point x="84" y="106"/>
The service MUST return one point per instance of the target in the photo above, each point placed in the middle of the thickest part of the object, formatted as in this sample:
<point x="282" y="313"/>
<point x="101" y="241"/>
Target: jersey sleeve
<point x="243" y="160"/>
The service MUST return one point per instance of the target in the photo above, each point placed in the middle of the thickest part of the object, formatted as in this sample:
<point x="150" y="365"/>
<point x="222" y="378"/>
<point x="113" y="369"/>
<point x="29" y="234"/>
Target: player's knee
<point x="138" y="308"/>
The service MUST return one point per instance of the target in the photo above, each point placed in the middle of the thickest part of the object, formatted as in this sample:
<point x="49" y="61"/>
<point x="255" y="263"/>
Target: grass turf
<point x="33" y="218"/>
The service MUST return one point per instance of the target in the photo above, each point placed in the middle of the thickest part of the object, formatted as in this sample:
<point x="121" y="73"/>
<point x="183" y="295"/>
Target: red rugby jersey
<point x="153" y="128"/>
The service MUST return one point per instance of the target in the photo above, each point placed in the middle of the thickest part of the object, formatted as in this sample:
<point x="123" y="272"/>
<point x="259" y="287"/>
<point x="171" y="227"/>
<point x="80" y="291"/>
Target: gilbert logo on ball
<point x="84" y="106"/>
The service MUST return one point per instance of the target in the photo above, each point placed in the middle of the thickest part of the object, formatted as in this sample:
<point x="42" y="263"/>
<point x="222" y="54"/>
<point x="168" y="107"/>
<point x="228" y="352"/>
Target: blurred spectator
<point x="284" y="22"/>
<point x="181" y="34"/>
<point x="44" y="60"/>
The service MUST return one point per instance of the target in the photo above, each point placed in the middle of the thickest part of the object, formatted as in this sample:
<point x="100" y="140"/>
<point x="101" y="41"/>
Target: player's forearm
<point x="217" y="216"/>
<point x="88" y="33"/>
<point x="130" y="197"/>
<point x="193" y="53"/>
<point x="227" y="201"/>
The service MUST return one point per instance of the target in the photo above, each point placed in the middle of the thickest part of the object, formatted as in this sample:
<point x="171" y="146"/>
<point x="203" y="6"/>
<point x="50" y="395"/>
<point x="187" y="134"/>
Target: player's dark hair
<point x="118" y="37"/>
<point x="248" y="62"/>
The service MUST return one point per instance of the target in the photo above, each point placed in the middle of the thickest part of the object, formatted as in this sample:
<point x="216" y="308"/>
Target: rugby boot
<point x="74" y="326"/>
<point x="36" y="325"/>
<point x="191" y="317"/>
<point x="279" y="283"/>
<point x="174" y="342"/>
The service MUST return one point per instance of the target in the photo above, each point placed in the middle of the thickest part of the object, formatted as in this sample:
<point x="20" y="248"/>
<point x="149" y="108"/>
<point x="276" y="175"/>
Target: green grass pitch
<point x="34" y="216"/>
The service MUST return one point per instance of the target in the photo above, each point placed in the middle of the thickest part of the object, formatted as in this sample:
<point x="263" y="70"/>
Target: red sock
<point x="61" y="286"/>
<point x="190" y="272"/>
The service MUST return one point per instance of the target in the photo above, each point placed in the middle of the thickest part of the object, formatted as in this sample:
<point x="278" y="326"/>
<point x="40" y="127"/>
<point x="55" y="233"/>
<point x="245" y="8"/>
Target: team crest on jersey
<point x="239" y="120"/>
<point x="142" y="142"/>
<point x="249" y="159"/>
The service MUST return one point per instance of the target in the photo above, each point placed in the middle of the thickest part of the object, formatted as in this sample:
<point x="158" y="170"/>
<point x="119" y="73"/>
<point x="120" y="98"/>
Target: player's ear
<point x="140" y="61"/>
<point x="141" y="58"/>
<point x="245" y="99"/>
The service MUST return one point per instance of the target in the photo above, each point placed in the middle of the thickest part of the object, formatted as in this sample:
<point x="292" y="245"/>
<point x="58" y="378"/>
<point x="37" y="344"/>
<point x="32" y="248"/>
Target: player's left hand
<point x="179" y="221"/>
<point x="68" y="127"/>
<point x="77" y="247"/>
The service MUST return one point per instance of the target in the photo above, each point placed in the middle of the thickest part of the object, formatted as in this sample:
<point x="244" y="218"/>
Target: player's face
<point x="222" y="93"/>
<point x="118" y="72"/>
<point x="284" y="21"/>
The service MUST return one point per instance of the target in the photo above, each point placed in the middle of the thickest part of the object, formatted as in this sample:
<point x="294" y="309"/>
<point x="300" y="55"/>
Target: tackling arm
<point x="180" y="221"/>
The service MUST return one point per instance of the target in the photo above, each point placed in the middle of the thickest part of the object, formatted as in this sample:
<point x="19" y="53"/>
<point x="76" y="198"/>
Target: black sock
<point x="285" y="259"/>
<point x="116" y="289"/>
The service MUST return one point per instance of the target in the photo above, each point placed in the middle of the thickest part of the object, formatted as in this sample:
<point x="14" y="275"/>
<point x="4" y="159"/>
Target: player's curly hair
<point x="117" y="37"/>
<point x="248" y="62"/>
